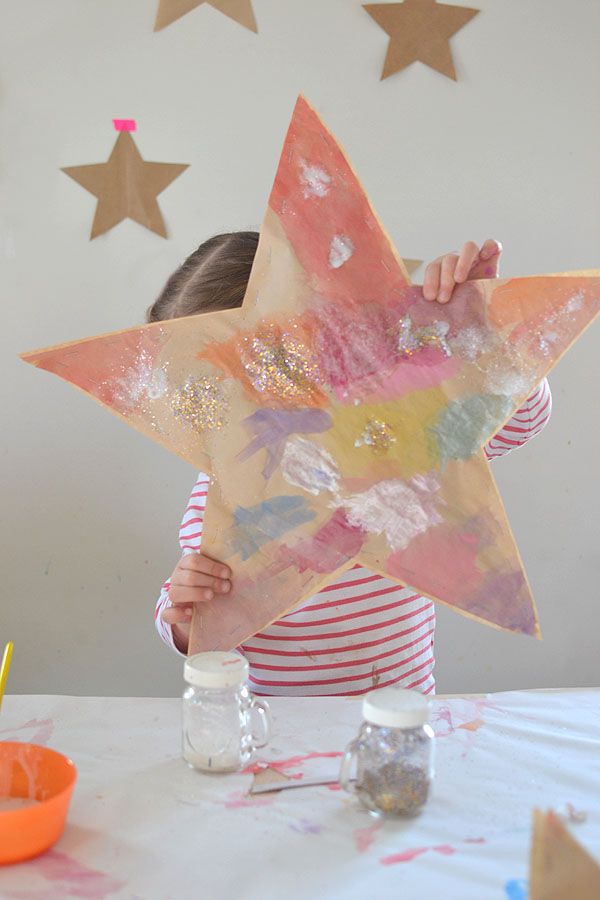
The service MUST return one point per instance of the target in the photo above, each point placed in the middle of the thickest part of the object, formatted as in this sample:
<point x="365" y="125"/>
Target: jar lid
<point x="395" y="708"/>
<point x="215" y="669"/>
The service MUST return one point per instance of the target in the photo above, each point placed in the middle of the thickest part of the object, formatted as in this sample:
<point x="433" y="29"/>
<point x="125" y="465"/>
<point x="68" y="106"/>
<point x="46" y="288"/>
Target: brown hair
<point x="213" y="277"/>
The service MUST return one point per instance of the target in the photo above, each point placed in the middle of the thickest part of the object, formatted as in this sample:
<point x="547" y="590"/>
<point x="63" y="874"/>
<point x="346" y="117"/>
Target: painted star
<point x="419" y="30"/>
<point x="239" y="10"/>
<point x="340" y="414"/>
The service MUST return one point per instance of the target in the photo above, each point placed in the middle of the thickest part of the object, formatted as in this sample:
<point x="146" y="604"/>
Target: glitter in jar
<point x="280" y="365"/>
<point x="377" y="434"/>
<point x="411" y="340"/>
<point x="397" y="788"/>
<point x="200" y="403"/>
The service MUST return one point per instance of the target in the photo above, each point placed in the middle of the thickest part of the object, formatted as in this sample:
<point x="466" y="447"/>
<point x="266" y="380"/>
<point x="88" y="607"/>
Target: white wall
<point x="90" y="508"/>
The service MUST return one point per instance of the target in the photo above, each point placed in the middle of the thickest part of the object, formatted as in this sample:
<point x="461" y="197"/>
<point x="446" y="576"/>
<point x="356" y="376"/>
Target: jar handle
<point x="264" y="714"/>
<point x="347" y="782"/>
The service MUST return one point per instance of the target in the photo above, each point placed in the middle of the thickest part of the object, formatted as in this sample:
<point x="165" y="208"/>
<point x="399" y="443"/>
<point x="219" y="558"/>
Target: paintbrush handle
<point x="4" y="669"/>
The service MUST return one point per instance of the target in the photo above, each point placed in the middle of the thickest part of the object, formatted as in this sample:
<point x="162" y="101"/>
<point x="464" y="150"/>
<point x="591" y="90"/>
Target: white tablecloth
<point x="143" y="825"/>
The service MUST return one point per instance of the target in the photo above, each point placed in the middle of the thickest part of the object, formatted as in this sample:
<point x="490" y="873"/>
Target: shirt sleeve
<point x="528" y="421"/>
<point x="190" y="540"/>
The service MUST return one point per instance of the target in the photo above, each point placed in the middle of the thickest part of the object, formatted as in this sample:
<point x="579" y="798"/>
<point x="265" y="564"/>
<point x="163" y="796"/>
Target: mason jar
<point x="222" y="722"/>
<point x="393" y="754"/>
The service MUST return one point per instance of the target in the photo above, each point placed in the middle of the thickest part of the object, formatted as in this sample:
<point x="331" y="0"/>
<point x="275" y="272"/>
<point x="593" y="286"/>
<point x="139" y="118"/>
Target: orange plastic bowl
<point x="36" y="773"/>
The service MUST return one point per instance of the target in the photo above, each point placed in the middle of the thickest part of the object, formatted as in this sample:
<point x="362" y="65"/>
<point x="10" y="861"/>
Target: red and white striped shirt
<point x="363" y="631"/>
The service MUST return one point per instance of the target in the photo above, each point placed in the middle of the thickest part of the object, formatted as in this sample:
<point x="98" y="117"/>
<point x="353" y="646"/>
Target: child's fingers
<point x="182" y="591"/>
<point x="191" y="578"/>
<point x="490" y="248"/>
<point x="199" y="562"/>
<point x="177" y="615"/>
<point x="447" y="281"/>
<point x="431" y="281"/>
<point x="468" y="256"/>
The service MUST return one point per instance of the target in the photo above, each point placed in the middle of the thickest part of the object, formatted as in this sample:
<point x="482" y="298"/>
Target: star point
<point x="240" y="11"/>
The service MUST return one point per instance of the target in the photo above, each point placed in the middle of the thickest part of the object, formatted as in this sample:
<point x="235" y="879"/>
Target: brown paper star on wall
<point x="239" y="10"/>
<point x="126" y="187"/>
<point x="420" y="31"/>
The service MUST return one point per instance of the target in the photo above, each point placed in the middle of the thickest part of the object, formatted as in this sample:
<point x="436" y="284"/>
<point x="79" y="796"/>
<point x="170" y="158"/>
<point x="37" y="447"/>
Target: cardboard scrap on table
<point x="340" y="415"/>
<point x="560" y="868"/>
<point x="419" y="31"/>
<point x="239" y="10"/>
<point x="126" y="187"/>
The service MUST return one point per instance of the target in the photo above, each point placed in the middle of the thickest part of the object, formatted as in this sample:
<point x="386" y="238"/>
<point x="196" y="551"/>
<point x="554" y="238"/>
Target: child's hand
<point x="195" y="579"/>
<point x="445" y="272"/>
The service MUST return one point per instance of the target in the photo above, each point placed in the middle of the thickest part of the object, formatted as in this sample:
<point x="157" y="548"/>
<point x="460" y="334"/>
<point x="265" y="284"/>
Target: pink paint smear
<point x="69" y="879"/>
<point x="409" y="855"/>
<point x="364" y="837"/>
<point x="42" y="731"/>
<point x="293" y="762"/>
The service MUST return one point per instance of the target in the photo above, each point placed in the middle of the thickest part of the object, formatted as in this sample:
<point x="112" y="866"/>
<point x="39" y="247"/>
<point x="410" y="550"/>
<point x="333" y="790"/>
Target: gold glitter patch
<point x="200" y="403"/>
<point x="279" y="364"/>
<point x="377" y="434"/>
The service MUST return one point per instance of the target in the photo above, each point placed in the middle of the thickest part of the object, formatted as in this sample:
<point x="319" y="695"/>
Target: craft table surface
<point x="143" y="825"/>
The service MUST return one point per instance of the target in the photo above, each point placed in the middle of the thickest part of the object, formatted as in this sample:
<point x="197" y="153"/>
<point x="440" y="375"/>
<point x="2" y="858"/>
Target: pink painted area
<point x="352" y="342"/>
<point x="41" y="731"/>
<point x="70" y="878"/>
<point x="280" y="765"/>
<point x="310" y="223"/>
<point x="446" y="561"/>
<point x="404" y="856"/>
<point x="329" y="548"/>
<point x="441" y="721"/>
<point x="239" y="800"/>
<point x="364" y="837"/>
<point x="111" y="370"/>
<point x="124" y="124"/>
<point x="425" y="369"/>
<point x="442" y="849"/>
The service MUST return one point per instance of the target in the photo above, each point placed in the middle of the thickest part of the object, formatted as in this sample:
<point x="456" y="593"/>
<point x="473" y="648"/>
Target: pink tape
<point x="124" y="124"/>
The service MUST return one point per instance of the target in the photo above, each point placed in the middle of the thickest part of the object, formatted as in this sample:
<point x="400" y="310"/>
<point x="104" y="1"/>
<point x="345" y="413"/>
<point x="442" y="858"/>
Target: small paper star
<point x="239" y="10"/>
<point x="420" y="30"/>
<point x="559" y="865"/>
<point x="126" y="187"/>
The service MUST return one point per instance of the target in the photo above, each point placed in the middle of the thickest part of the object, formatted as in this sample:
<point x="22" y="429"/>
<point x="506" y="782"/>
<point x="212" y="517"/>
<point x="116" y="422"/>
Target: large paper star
<point x="239" y="10"/>
<point x="126" y="187"/>
<point x="340" y="414"/>
<point x="420" y="30"/>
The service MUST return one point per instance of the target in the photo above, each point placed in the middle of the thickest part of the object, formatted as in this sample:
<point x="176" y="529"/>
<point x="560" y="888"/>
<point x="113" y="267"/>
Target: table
<point x="143" y="826"/>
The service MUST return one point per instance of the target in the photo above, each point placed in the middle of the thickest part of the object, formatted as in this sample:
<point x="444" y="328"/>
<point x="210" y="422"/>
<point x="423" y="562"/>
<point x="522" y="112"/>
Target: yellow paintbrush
<point x="4" y="668"/>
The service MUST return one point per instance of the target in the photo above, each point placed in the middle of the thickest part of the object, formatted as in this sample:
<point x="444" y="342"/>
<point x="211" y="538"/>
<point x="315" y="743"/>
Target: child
<point x="363" y="631"/>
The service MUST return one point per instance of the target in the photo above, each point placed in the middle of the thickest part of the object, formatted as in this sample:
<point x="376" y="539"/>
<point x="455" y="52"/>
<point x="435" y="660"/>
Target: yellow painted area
<point x="408" y="418"/>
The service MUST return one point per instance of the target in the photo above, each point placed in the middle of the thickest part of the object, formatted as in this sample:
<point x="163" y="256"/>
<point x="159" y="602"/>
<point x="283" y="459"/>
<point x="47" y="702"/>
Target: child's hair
<point x="213" y="277"/>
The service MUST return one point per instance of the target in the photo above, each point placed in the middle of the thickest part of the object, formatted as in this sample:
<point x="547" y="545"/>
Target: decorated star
<point x="239" y="10"/>
<point x="126" y="186"/>
<point x="341" y="415"/>
<point x="420" y="31"/>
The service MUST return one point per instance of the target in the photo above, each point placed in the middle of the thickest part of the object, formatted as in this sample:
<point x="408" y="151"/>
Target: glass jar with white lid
<point x="220" y="715"/>
<point x="393" y="753"/>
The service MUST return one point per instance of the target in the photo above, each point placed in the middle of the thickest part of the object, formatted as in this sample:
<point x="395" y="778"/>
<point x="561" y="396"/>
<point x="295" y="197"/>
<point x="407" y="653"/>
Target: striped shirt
<point x="364" y="630"/>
